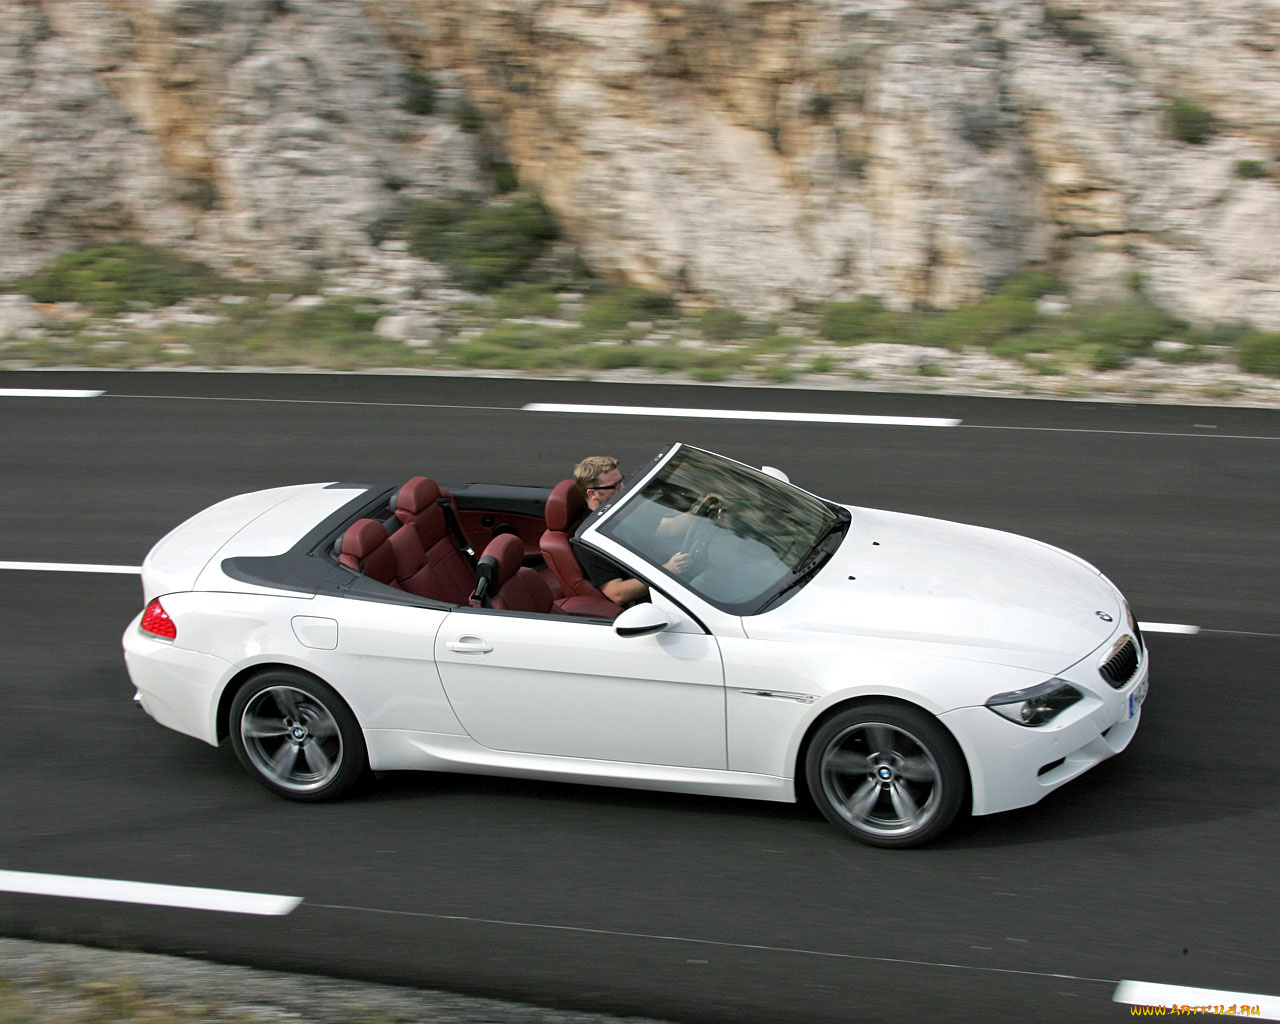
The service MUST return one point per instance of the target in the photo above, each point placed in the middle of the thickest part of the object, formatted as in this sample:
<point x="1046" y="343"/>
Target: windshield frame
<point x="831" y="522"/>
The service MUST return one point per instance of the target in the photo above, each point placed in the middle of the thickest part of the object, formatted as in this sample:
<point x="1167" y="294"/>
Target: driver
<point x="599" y="478"/>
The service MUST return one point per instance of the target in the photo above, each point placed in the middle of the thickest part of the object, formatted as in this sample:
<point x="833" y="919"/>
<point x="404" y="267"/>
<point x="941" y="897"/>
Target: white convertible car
<point x="899" y="669"/>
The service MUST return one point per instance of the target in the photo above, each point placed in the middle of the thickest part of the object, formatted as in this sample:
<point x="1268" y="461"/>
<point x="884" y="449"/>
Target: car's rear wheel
<point x="887" y="774"/>
<point x="297" y="736"/>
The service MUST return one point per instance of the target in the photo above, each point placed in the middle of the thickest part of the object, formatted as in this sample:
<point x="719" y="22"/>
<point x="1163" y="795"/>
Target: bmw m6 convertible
<point x="898" y="669"/>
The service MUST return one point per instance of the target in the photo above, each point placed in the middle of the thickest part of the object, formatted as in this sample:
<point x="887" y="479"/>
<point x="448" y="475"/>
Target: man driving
<point x="599" y="478"/>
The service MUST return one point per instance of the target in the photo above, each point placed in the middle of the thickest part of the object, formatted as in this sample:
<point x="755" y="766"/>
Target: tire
<point x="886" y="774"/>
<point x="296" y="736"/>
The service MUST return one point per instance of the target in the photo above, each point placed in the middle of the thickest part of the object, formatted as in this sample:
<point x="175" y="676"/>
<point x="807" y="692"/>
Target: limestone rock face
<point x="748" y="153"/>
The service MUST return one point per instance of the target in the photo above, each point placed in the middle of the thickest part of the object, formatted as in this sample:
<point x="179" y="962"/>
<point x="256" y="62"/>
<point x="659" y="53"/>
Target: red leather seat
<point x="565" y="509"/>
<point x="429" y="562"/>
<point x="514" y="587"/>
<point x="367" y="549"/>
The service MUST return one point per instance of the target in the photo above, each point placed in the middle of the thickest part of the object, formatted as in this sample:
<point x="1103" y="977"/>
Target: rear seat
<point x="428" y="559"/>
<point x="366" y="548"/>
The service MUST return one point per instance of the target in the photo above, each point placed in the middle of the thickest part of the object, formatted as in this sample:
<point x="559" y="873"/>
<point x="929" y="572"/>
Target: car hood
<point x="1007" y="599"/>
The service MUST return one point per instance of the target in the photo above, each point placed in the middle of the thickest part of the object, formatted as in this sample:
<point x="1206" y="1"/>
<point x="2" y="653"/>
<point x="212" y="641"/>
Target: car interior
<point x="423" y="547"/>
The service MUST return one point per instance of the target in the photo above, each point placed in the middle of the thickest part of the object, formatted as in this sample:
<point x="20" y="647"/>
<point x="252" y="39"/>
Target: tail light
<point x="156" y="621"/>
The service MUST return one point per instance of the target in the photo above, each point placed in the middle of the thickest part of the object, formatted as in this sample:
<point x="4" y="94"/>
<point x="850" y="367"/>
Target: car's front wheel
<point x="297" y="736"/>
<point x="887" y="774"/>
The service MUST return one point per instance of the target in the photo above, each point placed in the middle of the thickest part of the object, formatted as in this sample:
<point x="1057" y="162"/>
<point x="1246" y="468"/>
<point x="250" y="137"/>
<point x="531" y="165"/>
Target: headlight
<point x="1036" y="705"/>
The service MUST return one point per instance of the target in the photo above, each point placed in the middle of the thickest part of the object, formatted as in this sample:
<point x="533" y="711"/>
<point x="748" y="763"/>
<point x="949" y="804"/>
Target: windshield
<point x="746" y="537"/>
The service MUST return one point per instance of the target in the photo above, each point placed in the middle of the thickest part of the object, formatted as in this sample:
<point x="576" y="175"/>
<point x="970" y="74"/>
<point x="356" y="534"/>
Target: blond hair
<point x="587" y="472"/>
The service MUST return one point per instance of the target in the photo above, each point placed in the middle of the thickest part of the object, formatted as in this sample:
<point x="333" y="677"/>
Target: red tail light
<point x="156" y="621"/>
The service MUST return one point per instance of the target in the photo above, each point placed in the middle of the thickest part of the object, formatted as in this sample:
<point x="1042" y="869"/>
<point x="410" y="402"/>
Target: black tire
<point x="296" y="736"/>
<point x="887" y="774"/>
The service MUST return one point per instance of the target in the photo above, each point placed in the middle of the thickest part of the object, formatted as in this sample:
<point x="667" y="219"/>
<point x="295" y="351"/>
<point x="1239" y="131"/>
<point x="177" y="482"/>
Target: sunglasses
<point x="611" y="487"/>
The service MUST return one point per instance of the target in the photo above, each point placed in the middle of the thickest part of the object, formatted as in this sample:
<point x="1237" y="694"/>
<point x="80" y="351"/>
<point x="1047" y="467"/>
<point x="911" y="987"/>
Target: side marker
<point x="1204" y="1000"/>
<point x="741" y="414"/>
<point x="116" y="891"/>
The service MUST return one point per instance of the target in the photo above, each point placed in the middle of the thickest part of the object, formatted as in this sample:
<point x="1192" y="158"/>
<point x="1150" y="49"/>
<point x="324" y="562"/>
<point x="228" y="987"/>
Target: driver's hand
<point x="707" y="505"/>
<point x="677" y="563"/>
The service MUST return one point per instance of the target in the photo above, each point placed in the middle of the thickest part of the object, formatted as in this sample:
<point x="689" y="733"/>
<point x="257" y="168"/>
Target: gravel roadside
<point x="47" y="983"/>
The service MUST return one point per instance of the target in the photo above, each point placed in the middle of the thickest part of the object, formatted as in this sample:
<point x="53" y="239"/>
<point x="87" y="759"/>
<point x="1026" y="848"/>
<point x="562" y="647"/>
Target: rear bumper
<point x="176" y="687"/>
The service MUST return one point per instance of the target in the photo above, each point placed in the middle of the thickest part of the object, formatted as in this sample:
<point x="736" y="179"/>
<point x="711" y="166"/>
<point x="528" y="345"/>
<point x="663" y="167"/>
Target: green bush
<point x="1189" y="122"/>
<point x="1251" y="169"/>
<point x="483" y="246"/>
<point x="848" y="323"/>
<point x="721" y="324"/>
<point x="109" y="279"/>
<point x="519" y="300"/>
<point x="613" y="309"/>
<point x="1259" y="352"/>
<point x="419" y="93"/>
<point x="1128" y="326"/>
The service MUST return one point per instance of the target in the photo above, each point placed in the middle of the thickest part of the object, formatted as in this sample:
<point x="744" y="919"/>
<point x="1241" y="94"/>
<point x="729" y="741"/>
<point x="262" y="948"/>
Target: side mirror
<point x="776" y="473"/>
<point x="641" y="620"/>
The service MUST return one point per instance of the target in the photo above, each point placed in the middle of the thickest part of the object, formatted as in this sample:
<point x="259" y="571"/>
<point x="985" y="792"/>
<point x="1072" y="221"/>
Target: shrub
<point x="109" y="279"/>
<point x="614" y="308"/>
<point x="848" y="323"/>
<point x="721" y="324"/>
<point x="483" y="246"/>
<point x="1189" y="122"/>
<point x="519" y="300"/>
<point x="419" y="93"/>
<point x="1129" y="326"/>
<point x="1251" y="169"/>
<point x="1259" y="352"/>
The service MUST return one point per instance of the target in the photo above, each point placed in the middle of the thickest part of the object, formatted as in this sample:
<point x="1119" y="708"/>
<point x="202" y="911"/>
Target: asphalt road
<point x="1158" y="866"/>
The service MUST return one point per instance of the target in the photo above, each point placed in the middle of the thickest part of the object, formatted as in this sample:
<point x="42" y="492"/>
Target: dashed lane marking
<point x="130" y="570"/>
<point x="1169" y="627"/>
<point x="48" y="393"/>
<point x="1205" y="1000"/>
<point x="741" y="414"/>
<point x="114" y="890"/>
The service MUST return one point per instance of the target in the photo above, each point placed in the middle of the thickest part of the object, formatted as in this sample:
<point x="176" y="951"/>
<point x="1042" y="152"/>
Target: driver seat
<point x="565" y="510"/>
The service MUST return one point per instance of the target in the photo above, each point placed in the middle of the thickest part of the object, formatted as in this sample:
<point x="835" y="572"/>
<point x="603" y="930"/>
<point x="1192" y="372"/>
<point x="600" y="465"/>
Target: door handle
<point x="468" y="645"/>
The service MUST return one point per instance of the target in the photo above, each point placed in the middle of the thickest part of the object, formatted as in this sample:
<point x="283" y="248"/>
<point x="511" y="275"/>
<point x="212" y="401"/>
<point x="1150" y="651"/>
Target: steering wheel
<point x="706" y="511"/>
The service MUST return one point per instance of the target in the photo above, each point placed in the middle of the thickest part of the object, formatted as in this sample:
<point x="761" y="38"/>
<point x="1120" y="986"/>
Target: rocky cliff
<point x="740" y="152"/>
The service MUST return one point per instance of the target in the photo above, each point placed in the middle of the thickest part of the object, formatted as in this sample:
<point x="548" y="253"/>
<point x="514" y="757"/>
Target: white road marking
<point x="1215" y="1001"/>
<point x="47" y="393"/>
<point x="150" y="893"/>
<point x="132" y="570"/>
<point x="1169" y="627"/>
<point x="741" y="414"/>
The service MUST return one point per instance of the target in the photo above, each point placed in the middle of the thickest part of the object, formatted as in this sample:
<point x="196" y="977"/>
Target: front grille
<point x="1119" y="668"/>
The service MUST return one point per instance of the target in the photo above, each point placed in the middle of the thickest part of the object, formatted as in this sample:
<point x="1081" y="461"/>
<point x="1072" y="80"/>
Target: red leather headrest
<point x="565" y="507"/>
<point x="362" y="537"/>
<point x="508" y="551"/>
<point x="418" y="493"/>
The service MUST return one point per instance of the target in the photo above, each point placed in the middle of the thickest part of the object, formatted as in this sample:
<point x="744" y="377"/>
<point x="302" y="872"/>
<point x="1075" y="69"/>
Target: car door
<point x="553" y="684"/>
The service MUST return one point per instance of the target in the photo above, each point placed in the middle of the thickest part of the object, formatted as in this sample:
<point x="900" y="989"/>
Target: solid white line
<point x="714" y="943"/>
<point x="1168" y="627"/>
<point x="116" y="891"/>
<point x="1145" y="993"/>
<point x="133" y="570"/>
<point x="47" y="393"/>
<point x="741" y="414"/>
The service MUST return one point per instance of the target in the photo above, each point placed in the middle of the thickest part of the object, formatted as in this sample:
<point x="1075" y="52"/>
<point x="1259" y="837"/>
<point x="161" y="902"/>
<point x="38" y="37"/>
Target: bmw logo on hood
<point x="1103" y="616"/>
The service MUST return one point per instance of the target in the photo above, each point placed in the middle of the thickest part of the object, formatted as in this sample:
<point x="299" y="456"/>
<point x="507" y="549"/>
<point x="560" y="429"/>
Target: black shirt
<point x="599" y="569"/>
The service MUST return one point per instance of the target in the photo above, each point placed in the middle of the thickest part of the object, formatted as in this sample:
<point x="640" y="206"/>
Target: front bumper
<point x="1013" y="766"/>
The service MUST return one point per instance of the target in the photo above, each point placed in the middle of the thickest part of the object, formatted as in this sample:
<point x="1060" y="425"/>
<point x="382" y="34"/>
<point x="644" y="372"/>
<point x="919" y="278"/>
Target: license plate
<point x="1137" y="697"/>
